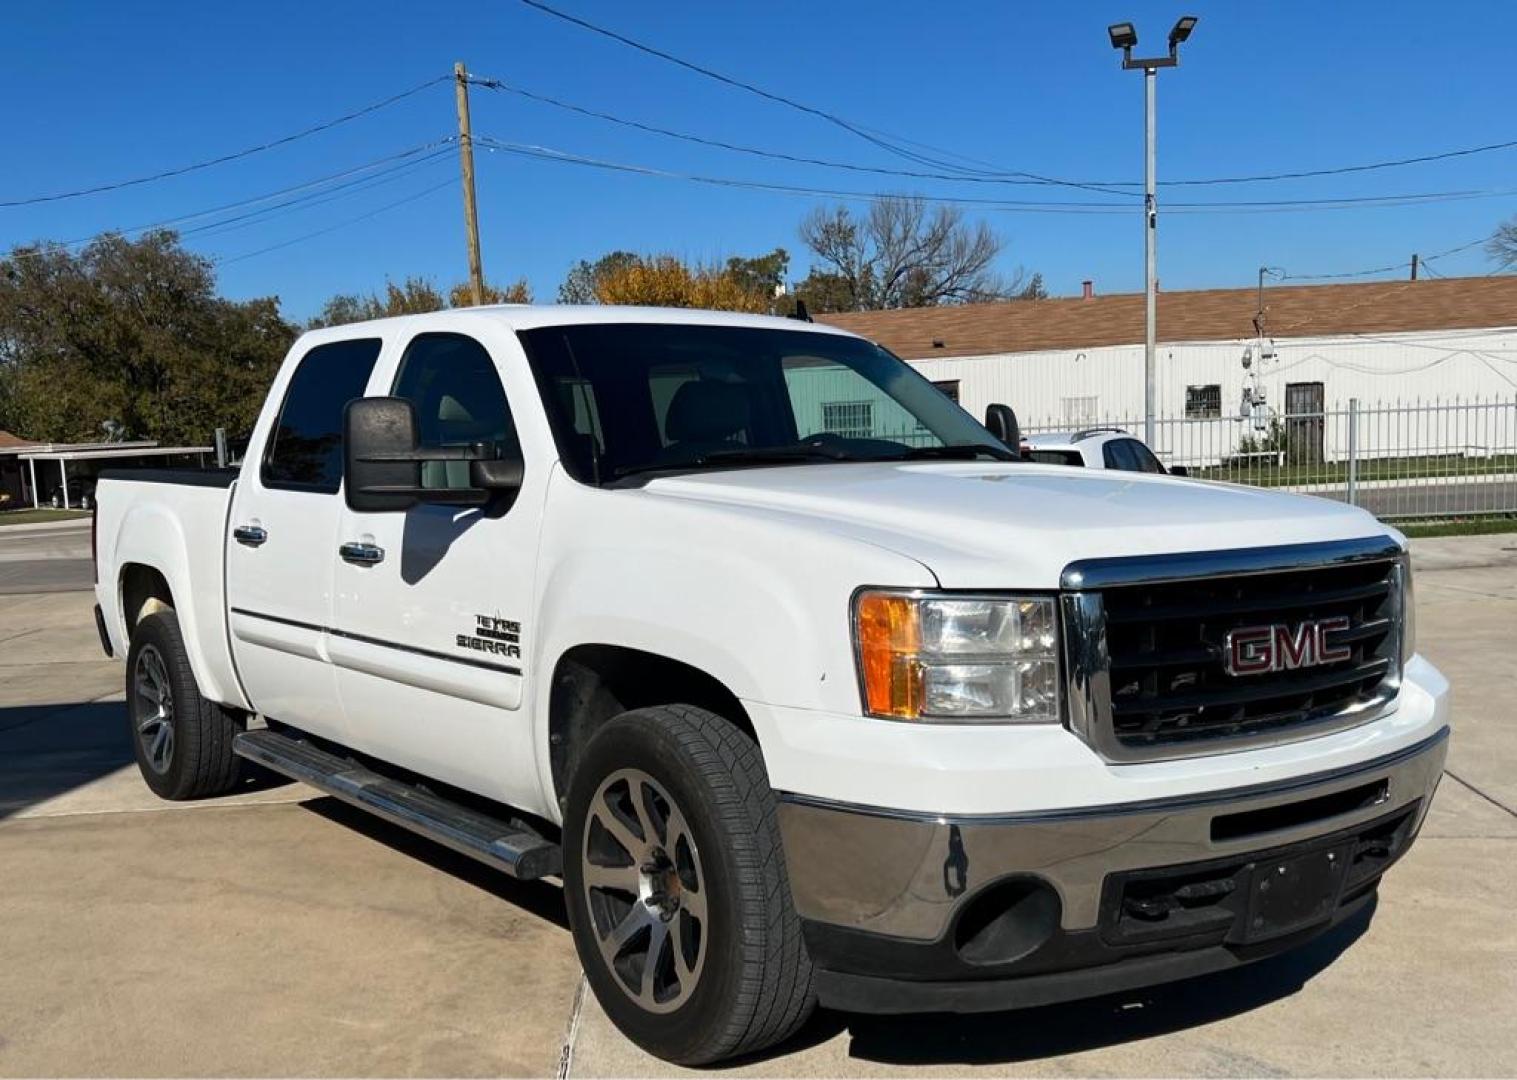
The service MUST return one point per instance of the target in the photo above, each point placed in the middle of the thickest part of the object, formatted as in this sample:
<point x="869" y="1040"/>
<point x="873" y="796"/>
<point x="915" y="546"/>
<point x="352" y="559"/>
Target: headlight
<point x="1408" y="611"/>
<point x="924" y="657"/>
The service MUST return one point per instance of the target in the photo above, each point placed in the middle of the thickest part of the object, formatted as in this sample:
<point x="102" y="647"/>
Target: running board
<point x="506" y="845"/>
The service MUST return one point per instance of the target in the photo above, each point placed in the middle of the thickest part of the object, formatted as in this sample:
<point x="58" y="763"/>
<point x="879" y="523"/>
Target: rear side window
<point x="305" y="450"/>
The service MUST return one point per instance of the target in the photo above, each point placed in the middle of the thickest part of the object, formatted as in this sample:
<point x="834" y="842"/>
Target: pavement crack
<point x="1490" y="799"/>
<point x="571" y="1033"/>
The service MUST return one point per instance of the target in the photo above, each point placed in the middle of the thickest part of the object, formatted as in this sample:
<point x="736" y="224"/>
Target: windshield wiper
<point x="962" y="452"/>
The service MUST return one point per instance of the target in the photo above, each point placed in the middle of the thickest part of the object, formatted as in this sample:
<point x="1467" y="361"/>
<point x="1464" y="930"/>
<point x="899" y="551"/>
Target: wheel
<point x="57" y="501"/>
<point x="676" y="887"/>
<point x="183" y="743"/>
<point x="85" y="502"/>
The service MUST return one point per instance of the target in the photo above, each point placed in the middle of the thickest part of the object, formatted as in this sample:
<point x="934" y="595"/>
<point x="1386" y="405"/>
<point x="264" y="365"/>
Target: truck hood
<point x="1012" y="525"/>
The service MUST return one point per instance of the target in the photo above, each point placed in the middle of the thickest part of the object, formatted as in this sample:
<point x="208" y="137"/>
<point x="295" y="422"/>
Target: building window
<point x="1080" y="411"/>
<point x="949" y="387"/>
<point x="1203" y="402"/>
<point x="850" y="419"/>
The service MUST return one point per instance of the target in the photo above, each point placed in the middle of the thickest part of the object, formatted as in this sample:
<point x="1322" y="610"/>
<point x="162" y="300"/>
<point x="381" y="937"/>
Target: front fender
<point x="756" y="600"/>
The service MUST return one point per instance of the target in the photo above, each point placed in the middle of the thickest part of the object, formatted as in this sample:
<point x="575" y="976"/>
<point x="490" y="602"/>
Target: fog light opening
<point x="1007" y="921"/>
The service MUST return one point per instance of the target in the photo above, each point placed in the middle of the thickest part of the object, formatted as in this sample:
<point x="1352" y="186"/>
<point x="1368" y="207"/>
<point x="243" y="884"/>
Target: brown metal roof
<point x="13" y="442"/>
<point x="1199" y="315"/>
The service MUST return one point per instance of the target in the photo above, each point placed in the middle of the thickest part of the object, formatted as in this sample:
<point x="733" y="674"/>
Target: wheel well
<point x="593" y="683"/>
<point x="143" y="591"/>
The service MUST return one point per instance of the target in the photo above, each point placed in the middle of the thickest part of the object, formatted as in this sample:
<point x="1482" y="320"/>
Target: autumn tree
<point x="518" y="292"/>
<point x="738" y="284"/>
<point x="583" y="283"/>
<point x="134" y="332"/>
<point x="901" y="254"/>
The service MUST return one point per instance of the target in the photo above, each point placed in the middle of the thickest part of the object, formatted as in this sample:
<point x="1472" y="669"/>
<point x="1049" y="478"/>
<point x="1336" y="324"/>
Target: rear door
<point x="283" y="533"/>
<point x="429" y="624"/>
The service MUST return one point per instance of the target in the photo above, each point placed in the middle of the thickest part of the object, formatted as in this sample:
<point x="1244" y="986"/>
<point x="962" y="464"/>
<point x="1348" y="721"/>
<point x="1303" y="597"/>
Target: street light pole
<point x="1150" y="256"/>
<point x="1124" y="36"/>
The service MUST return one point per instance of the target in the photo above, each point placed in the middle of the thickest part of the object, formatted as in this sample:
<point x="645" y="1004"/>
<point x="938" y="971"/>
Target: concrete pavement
<point x="276" y="932"/>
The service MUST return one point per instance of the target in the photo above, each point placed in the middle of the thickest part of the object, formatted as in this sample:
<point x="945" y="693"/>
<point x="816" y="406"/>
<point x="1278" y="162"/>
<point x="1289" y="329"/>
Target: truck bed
<point x="172" y="522"/>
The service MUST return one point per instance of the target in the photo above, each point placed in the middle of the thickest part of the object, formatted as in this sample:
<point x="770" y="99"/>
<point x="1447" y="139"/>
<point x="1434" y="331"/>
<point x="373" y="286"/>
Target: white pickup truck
<point x="806" y="687"/>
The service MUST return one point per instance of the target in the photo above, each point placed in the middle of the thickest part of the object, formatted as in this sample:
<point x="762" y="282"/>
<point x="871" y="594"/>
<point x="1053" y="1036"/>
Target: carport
<point x="131" y="454"/>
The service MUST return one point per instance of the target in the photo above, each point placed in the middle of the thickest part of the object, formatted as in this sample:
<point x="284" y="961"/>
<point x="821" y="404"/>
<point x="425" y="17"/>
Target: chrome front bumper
<point x="907" y="877"/>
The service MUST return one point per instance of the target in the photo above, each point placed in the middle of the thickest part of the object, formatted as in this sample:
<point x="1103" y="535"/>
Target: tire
<point x="182" y="742"/>
<point x="717" y="863"/>
<point x="57" y="501"/>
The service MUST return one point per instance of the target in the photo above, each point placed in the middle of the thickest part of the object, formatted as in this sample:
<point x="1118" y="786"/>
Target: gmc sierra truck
<point x="807" y="687"/>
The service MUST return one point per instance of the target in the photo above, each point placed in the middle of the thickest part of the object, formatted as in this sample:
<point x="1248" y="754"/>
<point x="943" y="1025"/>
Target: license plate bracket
<point x="1293" y="893"/>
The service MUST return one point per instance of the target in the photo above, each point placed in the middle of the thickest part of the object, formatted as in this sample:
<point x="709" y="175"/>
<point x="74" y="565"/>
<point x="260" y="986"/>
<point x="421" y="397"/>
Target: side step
<point x="506" y="845"/>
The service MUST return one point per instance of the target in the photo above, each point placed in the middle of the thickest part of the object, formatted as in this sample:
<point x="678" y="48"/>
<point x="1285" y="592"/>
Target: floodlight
<point x="1182" y="30"/>
<point x="1123" y="35"/>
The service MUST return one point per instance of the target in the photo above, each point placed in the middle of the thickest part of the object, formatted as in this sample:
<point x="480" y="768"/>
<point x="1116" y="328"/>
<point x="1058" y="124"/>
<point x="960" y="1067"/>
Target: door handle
<point x="361" y="554"/>
<point x="251" y="535"/>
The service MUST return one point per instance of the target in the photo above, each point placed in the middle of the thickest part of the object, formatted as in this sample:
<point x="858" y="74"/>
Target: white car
<point x="808" y="688"/>
<point x="1094" y="448"/>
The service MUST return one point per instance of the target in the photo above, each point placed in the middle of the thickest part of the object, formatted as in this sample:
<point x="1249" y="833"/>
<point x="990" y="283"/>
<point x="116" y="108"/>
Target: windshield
<point x="635" y="398"/>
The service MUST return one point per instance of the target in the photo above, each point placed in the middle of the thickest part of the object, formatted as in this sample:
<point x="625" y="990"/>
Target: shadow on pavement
<point x="539" y="898"/>
<point x="1056" y="1030"/>
<point x="49" y="750"/>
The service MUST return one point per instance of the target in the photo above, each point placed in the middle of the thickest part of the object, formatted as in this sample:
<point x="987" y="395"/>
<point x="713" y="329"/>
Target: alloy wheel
<point x="645" y="890"/>
<point x="154" y="712"/>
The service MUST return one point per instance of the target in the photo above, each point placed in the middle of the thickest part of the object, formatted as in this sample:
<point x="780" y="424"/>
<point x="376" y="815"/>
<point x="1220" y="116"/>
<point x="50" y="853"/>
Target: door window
<point x="305" y="450"/>
<point x="453" y="384"/>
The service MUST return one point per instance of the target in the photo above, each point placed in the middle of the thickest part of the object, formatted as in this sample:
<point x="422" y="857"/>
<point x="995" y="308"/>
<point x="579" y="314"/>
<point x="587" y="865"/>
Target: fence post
<point x="1353" y="451"/>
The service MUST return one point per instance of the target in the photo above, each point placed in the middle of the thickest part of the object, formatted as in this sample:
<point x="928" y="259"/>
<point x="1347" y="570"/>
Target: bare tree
<point x="901" y="254"/>
<point x="1502" y="246"/>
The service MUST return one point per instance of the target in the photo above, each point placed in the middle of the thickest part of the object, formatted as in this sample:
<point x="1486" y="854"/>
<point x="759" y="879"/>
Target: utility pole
<point x="1124" y="36"/>
<point x="1414" y="266"/>
<point x="466" y="164"/>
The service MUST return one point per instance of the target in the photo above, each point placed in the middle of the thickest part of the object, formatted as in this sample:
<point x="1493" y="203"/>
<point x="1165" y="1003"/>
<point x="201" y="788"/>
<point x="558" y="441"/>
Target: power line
<point x="388" y="166"/>
<point x="1340" y="170"/>
<point x="546" y="153"/>
<point x="1395" y="267"/>
<point x="333" y="228"/>
<point x="247" y="152"/>
<point x="780" y="99"/>
<point x="500" y="85"/>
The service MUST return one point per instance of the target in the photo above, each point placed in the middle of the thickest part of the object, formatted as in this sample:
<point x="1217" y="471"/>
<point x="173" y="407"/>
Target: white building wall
<point x="1386" y="373"/>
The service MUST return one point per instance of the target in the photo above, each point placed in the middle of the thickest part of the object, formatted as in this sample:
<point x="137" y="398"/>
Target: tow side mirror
<point x="382" y="461"/>
<point x="1001" y="422"/>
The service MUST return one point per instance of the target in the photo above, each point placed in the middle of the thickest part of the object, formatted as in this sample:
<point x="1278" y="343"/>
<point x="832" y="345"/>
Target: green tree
<point x="130" y="331"/>
<point x="413" y="296"/>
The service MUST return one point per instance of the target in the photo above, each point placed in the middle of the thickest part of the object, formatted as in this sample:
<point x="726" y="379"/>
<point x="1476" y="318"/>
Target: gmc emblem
<point x="1260" y="650"/>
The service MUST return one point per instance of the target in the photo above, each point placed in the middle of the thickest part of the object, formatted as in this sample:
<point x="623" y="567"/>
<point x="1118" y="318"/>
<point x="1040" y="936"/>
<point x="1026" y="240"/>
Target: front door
<point x="282" y="532"/>
<point x="428" y="631"/>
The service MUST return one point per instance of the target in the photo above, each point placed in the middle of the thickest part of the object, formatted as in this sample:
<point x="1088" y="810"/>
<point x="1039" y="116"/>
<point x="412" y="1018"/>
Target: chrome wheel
<point x="645" y="890"/>
<point x="154" y="711"/>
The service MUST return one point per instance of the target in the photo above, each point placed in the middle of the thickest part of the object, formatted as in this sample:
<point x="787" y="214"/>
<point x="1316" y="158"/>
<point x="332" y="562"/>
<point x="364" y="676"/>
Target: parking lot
<point x="276" y="932"/>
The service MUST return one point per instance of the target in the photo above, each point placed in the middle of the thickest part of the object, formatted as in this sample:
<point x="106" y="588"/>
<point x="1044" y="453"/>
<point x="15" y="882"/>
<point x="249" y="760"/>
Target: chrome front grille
<point x="1146" y="638"/>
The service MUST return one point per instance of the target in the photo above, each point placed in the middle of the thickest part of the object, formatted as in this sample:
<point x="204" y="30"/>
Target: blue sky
<point x="101" y="92"/>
